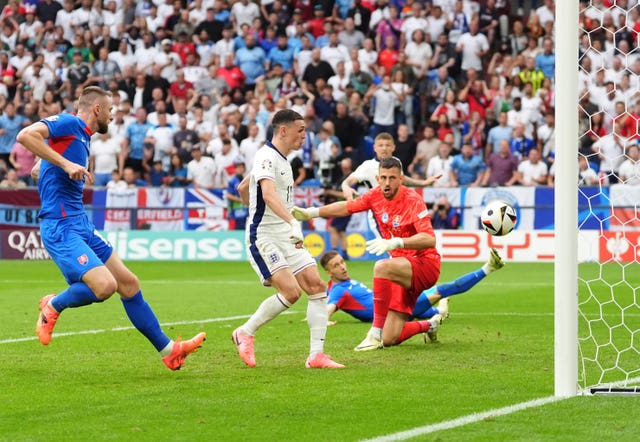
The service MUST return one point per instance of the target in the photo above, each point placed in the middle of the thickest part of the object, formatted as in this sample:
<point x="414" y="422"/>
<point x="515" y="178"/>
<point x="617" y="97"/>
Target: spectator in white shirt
<point x="532" y="171"/>
<point x="441" y="165"/>
<point x="201" y="170"/>
<point x="103" y="160"/>
<point x="250" y="145"/>
<point x="629" y="171"/>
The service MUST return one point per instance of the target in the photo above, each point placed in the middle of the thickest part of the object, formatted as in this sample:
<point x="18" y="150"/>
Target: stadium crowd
<point x="465" y="87"/>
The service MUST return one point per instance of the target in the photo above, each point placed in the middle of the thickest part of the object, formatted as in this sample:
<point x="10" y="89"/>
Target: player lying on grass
<point x="414" y="266"/>
<point x="90" y="265"/>
<point x="356" y="299"/>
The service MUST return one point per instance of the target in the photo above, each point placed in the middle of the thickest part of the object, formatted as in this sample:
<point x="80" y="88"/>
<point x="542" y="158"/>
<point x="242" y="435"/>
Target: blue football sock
<point x="143" y="318"/>
<point x="77" y="295"/>
<point x="423" y="308"/>
<point x="461" y="284"/>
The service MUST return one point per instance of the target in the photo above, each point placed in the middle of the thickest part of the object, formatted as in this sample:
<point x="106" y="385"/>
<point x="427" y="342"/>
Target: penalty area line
<point x="117" y="329"/>
<point x="465" y="420"/>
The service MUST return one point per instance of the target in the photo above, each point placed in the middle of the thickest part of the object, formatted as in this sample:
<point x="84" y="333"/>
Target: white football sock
<point x="166" y="351"/>
<point x="317" y="319"/>
<point x="376" y="332"/>
<point x="269" y="309"/>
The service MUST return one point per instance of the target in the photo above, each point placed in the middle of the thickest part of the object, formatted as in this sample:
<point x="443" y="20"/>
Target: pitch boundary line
<point x="238" y="282"/>
<point x="465" y="420"/>
<point x="130" y="327"/>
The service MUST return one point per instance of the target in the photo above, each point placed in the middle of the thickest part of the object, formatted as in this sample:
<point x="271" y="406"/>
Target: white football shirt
<point x="269" y="164"/>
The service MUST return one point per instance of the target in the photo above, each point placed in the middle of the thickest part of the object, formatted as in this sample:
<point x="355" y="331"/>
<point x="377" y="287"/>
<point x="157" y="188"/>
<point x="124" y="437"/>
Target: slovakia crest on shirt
<point x="83" y="259"/>
<point x="396" y="221"/>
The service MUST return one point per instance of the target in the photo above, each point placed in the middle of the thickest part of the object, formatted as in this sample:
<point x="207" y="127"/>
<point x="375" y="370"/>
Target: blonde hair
<point x="90" y="95"/>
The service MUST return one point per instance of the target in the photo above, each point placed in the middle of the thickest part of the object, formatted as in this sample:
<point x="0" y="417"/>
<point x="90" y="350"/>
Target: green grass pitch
<point x="101" y="380"/>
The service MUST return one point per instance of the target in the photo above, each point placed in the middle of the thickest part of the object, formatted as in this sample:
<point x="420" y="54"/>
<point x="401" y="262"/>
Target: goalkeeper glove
<point x="305" y="214"/>
<point x="378" y="246"/>
<point x="296" y="232"/>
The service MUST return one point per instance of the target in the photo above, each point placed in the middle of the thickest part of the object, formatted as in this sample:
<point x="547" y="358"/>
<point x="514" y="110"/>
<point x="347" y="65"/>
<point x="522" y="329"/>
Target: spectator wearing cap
<point x="168" y="60"/>
<point x="316" y="25"/>
<point x="251" y="59"/>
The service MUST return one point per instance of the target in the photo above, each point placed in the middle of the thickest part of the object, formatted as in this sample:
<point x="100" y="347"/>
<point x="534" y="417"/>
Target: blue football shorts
<point x="75" y="245"/>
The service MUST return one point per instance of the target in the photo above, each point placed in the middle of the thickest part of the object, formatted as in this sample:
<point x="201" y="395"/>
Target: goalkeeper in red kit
<point x="407" y="234"/>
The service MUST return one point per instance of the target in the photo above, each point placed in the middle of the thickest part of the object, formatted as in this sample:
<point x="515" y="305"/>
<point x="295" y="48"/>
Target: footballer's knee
<point x="291" y="295"/>
<point x="104" y="288"/>
<point x="382" y="268"/>
<point x="316" y="287"/>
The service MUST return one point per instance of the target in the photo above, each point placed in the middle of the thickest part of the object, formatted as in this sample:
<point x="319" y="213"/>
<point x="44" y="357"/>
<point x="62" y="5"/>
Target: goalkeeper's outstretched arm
<point x="332" y="210"/>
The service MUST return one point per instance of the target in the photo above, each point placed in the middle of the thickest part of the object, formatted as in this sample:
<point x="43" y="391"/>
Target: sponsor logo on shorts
<point x="83" y="259"/>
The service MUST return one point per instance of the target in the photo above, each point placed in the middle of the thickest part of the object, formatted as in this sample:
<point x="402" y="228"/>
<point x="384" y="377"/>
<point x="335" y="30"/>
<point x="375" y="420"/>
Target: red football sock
<point x="413" y="328"/>
<point x="381" y="297"/>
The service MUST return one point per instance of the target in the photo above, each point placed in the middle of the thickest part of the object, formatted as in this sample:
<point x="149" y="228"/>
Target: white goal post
<point x="596" y="304"/>
<point x="566" y="201"/>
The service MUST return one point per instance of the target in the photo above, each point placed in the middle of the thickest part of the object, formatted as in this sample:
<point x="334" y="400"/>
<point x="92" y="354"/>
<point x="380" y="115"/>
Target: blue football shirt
<point x="60" y="195"/>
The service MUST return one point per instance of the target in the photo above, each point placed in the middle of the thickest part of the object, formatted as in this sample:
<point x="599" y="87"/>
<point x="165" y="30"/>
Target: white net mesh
<point x="609" y="307"/>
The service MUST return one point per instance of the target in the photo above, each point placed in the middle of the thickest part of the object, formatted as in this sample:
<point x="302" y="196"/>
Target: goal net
<point x="608" y="303"/>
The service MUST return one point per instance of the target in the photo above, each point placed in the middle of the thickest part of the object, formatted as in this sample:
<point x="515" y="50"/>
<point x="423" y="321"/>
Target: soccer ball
<point x="498" y="218"/>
